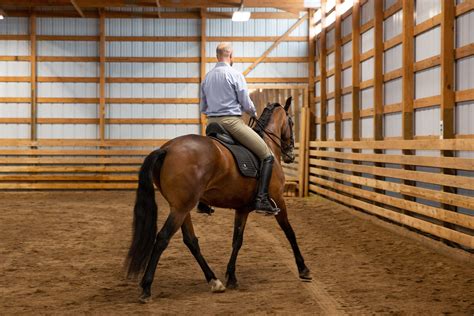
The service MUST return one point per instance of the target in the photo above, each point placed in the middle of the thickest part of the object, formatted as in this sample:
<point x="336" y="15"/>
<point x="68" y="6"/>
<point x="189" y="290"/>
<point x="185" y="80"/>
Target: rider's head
<point x="224" y="53"/>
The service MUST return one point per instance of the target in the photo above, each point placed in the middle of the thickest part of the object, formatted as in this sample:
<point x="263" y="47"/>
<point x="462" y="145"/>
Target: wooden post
<point x="408" y="81"/>
<point x="447" y="88"/>
<point x="378" y="80"/>
<point x="355" y="70"/>
<point x="203" y="117"/>
<point x="102" y="75"/>
<point x="34" y="114"/>
<point x="311" y="70"/>
<point x="356" y="79"/>
<point x="337" y="75"/>
<point x="307" y="139"/>
<point x="322" y="82"/>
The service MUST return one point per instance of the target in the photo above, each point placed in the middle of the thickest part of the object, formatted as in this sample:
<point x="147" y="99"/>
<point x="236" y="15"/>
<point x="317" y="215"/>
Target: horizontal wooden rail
<point x="437" y="144"/>
<point x="418" y="192"/>
<point x="419" y="176"/>
<point x="435" y="162"/>
<point x="422" y="225"/>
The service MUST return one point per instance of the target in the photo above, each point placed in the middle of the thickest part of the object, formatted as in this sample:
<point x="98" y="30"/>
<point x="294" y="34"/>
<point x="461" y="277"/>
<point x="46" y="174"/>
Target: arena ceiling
<point x="82" y="7"/>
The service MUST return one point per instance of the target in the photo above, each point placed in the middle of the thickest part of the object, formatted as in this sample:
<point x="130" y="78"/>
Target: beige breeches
<point x="243" y="134"/>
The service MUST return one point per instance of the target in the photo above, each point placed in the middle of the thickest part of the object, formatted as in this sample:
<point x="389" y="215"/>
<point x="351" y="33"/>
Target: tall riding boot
<point x="262" y="202"/>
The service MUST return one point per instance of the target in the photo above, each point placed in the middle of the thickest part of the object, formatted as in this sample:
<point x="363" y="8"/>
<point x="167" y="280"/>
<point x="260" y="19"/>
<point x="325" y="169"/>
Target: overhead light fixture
<point x="2" y="14"/>
<point x="312" y="4"/>
<point x="241" y="15"/>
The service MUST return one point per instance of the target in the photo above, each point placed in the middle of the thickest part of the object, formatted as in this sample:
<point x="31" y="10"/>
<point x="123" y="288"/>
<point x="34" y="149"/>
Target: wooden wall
<point x="417" y="172"/>
<point x="119" y="84"/>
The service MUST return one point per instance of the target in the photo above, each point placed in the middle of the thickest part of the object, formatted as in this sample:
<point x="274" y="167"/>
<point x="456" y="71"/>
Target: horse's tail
<point x="144" y="215"/>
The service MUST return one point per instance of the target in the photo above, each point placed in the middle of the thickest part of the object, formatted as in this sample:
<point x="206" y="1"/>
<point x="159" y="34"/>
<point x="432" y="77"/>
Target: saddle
<point x="248" y="164"/>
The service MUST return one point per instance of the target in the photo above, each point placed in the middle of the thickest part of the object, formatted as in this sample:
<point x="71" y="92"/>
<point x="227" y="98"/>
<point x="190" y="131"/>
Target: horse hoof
<point x="217" y="286"/>
<point x="145" y="298"/>
<point x="233" y="285"/>
<point x="305" y="275"/>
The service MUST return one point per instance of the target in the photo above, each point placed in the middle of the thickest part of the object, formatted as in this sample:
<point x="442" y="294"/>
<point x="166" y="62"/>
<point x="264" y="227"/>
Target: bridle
<point x="259" y="126"/>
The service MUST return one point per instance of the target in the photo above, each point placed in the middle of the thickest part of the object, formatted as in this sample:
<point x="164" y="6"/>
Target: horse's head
<point x="277" y="124"/>
<point x="287" y="136"/>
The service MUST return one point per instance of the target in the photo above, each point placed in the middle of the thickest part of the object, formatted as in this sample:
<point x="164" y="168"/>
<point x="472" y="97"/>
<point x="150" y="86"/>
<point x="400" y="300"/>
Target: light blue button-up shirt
<point x="224" y="92"/>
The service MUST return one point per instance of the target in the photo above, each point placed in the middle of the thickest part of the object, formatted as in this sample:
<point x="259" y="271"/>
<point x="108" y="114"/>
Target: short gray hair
<point x="224" y="50"/>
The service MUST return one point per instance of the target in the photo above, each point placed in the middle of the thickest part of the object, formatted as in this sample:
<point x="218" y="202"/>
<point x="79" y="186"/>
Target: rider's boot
<point x="204" y="208"/>
<point x="262" y="201"/>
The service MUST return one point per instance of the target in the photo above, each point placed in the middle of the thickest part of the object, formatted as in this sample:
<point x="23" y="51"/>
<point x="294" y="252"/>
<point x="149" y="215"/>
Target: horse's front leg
<point x="282" y="219"/>
<point x="239" y="227"/>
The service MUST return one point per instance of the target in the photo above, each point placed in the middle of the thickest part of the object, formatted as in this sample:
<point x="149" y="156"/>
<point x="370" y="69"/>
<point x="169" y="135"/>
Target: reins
<point x="259" y="126"/>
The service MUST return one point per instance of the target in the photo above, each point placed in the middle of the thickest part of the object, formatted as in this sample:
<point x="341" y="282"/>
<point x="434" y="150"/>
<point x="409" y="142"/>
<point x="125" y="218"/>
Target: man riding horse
<point x="224" y="95"/>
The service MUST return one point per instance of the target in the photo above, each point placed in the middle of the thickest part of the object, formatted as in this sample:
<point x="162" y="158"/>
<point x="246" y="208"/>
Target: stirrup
<point x="268" y="212"/>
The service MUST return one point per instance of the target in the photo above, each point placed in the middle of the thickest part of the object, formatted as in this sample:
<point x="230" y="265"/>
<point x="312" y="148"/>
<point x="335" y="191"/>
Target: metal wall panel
<point x="464" y="27"/>
<point x="393" y="25"/>
<point x="367" y="98"/>
<point x="255" y="27"/>
<point x="367" y="69"/>
<point x="14" y="26"/>
<point x="15" y="130"/>
<point x="428" y="44"/>
<point x="388" y="3"/>
<point x="347" y="26"/>
<point x="427" y="82"/>
<point x="14" y="48"/>
<point x="367" y="41"/>
<point x="346" y="127"/>
<point x="330" y="36"/>
<point x="15" y="89"/>
<point x="346" y="77"/>
<point x="426" y="9"/>
<point x="318" y="109"/>
<point x="346" y="103"/>
<point x="330" y="131"/>
<point x="392" y="58"/>
<point x="367" y="127"/>
<point x="465" y="73"/>
<point x="68" y="48"/>
<point x="367" y="12"/>
<point x="392" y="125"/>
<point x="317" y="89"/>
<point x="427" y="121"/>
<point x="331" y="107"/>
<point x="464" y="115"/>
<point x="330" y="61"/>
<point x="346" y="51"/>
<point x="256" y="49"/>
<point x="393" y="91"/>
<point x="67" y="26"/>
<point x="330" y="81"/>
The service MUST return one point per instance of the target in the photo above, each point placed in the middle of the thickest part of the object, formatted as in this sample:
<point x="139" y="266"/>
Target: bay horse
<point x="191" y="169"/>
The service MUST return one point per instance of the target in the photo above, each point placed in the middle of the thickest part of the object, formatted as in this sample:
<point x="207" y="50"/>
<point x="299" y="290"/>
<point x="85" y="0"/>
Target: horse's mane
<point x="262" y="122"/>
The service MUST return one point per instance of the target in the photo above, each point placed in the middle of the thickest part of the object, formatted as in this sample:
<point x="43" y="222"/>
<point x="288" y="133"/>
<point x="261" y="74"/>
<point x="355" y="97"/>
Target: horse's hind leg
<point x="191" y="241"/>
<point x="172" y="224"/>
<point x="239" y="227"/>
<point x="282" y="219"/>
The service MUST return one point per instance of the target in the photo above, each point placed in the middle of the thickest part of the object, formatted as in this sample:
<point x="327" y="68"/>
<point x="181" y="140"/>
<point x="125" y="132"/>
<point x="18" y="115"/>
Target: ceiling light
<point x="312" y="4"/>
<point x="2" y="14"/>
<point x="241" y="16"/>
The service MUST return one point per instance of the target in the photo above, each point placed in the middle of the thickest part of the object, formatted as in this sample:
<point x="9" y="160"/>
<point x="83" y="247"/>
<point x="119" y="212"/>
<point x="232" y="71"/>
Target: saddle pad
<point x="247" y="162"/>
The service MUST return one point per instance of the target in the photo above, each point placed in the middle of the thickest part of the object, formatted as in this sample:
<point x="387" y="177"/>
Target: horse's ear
<point x="288" y="103"/>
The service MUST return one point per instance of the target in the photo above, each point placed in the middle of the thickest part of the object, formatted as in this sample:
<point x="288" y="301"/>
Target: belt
<point x="225" y="116"/>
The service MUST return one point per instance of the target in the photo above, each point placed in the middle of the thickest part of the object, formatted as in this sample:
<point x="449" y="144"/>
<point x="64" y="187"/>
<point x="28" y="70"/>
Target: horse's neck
<point x="274" y="145"/>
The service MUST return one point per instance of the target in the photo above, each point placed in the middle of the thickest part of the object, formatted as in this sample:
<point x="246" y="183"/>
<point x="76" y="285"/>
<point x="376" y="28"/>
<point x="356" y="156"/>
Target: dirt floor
<point x="62" y="252"/>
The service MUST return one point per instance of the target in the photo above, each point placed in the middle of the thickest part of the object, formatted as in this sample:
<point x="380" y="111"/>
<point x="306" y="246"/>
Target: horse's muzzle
<point x="289" y="157"/>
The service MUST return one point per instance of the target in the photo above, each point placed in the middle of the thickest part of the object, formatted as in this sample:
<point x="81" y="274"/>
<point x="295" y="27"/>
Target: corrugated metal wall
<point x="130" y="27"/>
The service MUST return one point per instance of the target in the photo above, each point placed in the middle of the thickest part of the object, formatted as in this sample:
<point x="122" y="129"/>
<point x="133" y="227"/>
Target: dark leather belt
<point x="226" y="116"/>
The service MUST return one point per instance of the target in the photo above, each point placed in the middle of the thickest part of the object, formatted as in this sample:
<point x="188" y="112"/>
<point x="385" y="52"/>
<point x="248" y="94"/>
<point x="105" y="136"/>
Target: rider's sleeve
<point x="203" y="103"/>
<point x="243" y="96"/>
